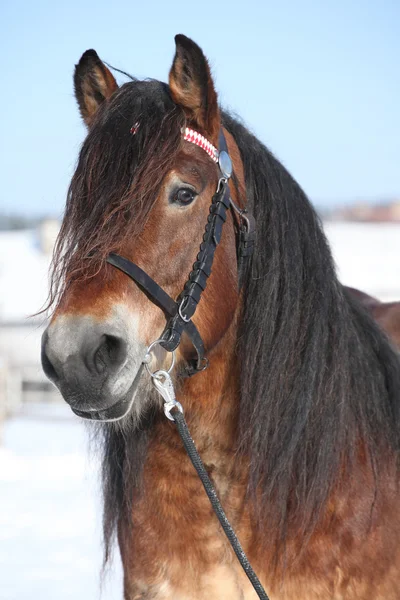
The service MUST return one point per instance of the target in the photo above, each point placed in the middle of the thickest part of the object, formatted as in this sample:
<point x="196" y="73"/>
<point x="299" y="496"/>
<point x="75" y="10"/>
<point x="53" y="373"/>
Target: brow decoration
<point x="194" y="137"/>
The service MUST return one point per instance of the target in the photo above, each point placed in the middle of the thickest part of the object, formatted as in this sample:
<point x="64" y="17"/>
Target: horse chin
<point x="120" y="409"/>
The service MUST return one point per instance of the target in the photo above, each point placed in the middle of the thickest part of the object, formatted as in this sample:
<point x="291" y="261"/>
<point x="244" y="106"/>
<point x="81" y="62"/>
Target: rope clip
<point x="164" y="386"/>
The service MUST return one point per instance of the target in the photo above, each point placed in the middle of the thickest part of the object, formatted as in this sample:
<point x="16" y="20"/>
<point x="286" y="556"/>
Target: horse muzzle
<point x="96" y="365"/>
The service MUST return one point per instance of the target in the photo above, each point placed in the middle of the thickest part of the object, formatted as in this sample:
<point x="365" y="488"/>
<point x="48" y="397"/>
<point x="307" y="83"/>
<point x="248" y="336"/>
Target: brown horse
<point x="387" y="314"/>
<point x="297" y="417"/>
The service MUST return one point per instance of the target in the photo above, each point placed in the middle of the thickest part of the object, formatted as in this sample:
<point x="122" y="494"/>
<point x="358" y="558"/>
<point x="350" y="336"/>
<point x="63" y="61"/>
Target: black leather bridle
<point x="181" y="311"/>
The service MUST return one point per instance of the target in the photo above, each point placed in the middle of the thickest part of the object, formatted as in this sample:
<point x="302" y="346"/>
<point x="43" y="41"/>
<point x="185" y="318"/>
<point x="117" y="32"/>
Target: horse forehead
<point x="145" y="99"/>
<point x="194" y="161"/>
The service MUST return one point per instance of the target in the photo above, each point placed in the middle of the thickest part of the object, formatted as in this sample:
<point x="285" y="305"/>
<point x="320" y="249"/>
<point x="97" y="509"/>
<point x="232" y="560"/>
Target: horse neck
<point x="211" y="398"/>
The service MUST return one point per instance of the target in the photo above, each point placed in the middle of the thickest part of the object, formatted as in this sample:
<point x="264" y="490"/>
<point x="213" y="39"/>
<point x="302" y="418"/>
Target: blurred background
<point x="319" y="84"/>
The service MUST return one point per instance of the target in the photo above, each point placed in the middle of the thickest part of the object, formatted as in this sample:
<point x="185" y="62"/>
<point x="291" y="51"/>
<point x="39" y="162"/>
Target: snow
<point x="50" y="529"/>
<point x="23" y="275"/>
<point x="368" y="256"/>
<point x="50" y="509"/>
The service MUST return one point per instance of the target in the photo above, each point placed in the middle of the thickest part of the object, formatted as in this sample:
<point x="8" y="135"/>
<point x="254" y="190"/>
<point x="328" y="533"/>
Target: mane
<point x="320" y="382"/>
<point x="117" y="179"/>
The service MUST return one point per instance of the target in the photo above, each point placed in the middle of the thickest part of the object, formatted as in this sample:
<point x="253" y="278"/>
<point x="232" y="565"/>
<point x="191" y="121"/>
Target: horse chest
<point x="177" y="549"/>
<point x="220" y="583"/>
<point x="185" y="568"/>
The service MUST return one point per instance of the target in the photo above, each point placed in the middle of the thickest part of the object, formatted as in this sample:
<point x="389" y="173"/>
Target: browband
<point x="192" y="136"/>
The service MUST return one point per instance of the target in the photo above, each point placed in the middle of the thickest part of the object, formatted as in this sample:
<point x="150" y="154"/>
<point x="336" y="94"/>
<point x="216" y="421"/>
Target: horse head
<point x="142" y="191"/>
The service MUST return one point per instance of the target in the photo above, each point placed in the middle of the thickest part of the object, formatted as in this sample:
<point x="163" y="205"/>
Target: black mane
<point x="317" y="374"/>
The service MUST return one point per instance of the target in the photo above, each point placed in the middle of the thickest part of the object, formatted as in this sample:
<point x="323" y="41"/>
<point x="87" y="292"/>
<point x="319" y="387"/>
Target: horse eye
<point x="184" y="196"/>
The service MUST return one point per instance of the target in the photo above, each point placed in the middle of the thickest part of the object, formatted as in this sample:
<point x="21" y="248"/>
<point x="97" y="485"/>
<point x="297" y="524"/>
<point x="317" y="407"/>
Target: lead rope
<point x="174" y="411"/>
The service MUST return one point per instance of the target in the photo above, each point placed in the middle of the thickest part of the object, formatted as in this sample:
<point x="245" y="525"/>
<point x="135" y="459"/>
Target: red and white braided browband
<point x="190" y="135"/>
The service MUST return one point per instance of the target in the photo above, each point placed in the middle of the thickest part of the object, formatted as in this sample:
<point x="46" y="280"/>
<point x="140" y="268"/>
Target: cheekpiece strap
<point x="197" y="281"/>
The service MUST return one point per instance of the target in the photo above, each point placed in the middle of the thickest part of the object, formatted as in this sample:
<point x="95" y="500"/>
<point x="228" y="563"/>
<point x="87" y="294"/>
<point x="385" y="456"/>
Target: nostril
<point x="110" y="354"/>
<point x="47" y="366"/>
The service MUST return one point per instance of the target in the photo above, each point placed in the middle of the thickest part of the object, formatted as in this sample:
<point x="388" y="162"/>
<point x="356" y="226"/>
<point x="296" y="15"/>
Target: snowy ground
<point x="368" y="256"/>
<point x="50" y="538"/>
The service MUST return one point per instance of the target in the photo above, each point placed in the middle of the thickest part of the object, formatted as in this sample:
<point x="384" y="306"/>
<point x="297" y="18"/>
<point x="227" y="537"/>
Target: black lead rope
<point x="215" y="503"/>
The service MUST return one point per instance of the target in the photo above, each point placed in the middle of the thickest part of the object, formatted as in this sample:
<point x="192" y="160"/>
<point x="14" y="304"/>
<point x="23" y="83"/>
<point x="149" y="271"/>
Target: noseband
<point x="180" y="312"/>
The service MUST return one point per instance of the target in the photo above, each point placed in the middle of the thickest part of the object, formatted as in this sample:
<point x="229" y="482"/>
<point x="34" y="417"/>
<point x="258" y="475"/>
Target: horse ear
<point x="192" y="86"/>
<point x="93" y="83"/>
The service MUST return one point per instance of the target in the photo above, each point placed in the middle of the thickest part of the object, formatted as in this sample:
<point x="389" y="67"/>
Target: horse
<point x="296" y="418"/>
<point x="387" y="314"/>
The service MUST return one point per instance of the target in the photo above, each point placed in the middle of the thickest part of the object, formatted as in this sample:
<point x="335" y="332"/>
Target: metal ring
<point x="147" y="358"/>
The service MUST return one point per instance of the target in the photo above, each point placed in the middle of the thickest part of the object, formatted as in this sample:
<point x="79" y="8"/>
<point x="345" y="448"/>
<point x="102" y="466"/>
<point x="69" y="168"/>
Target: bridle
<point x="181" y="311"/>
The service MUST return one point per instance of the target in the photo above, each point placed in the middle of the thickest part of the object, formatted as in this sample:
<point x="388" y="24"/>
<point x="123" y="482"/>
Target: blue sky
<point x="318" y="82"/>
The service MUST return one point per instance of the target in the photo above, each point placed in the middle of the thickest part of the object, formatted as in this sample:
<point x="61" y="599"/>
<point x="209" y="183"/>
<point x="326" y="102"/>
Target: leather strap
<point x="163" y="300"/>
<point x="222" y="145"/>
<point x="197" y="281"/>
